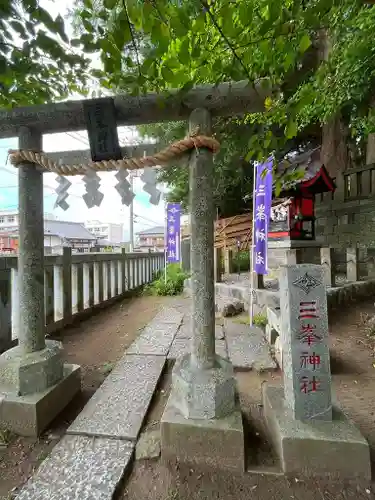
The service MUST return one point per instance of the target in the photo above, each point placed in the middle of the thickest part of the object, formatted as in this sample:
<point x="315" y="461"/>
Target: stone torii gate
<point x="33" y="379"/>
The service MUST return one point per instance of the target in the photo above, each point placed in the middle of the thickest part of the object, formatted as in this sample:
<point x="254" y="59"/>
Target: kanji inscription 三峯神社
<point x="304" y="318"/>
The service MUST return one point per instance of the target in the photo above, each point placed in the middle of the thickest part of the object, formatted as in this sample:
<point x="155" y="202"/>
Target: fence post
<point x="67" y="283"/>
<point x="352" y="264"/>
<point x="98" y="282"/>
<point x="121" y="273"/>
<point x="228" y="261"/>
<point x="87" y="285"/>
<point x="149" y="267"/>
<point x="217" y="260"/>
<point x="327" y="260"/>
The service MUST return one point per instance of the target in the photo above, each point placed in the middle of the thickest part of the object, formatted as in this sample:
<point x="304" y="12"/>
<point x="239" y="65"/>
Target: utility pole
<point x="131" y="215"/>
<point x="133" y="173"/>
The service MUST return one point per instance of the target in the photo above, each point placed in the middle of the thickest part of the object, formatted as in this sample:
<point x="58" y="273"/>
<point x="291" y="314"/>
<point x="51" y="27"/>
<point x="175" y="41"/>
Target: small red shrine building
<point x="293" y="214"/>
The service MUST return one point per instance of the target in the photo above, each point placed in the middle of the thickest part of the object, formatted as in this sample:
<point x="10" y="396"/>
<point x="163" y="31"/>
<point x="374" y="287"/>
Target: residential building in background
<point x="9" y="219"/>
<point x="151" y="240"/>
<point x="57" y="234"/>
<point x="109" y="231"/>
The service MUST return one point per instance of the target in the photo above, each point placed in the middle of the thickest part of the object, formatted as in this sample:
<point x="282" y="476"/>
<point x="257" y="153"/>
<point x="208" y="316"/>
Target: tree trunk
<point x="370" y="149"/>
<point x="334" y="153"/>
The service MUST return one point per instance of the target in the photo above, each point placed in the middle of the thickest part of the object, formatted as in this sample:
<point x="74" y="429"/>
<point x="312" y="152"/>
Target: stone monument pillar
<point x="33" y="372"/>
<point x="311" y="434"/>
<point x="201" y="424"/>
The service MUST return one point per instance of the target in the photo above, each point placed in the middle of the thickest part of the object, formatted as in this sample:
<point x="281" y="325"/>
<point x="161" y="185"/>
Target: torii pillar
<point x="34" y="382"/>
<point x="202" y="424"/>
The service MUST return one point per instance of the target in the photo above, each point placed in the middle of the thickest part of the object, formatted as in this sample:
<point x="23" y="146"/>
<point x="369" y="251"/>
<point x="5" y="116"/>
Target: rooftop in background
<point x="153" y="230"/>
<point x="68" y="230"/>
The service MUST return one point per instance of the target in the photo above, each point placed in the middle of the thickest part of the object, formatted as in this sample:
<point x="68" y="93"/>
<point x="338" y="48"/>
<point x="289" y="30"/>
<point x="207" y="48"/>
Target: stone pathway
<point x="81" y="468"/>
<point x="118" y="407"/>
<point x="90" y="461"/>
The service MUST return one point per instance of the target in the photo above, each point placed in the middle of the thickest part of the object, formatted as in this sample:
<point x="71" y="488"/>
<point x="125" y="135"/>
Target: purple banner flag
<point x="262" y="206"/>
<point x="173" y="232"/>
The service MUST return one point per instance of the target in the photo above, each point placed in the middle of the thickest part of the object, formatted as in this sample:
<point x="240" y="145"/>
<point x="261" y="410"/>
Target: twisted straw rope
<point x="174" y="150"/>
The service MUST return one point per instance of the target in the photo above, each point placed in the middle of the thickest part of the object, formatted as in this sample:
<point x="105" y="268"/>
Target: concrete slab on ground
<point x="119" y="406"/>
<point x="247" y="347"/>
<point x="155" y="339"/>
<point x="80" y="467"/>
<point x="169" y="315"/>
<point x="181" y="346"/>
<point x="334" y="449"/>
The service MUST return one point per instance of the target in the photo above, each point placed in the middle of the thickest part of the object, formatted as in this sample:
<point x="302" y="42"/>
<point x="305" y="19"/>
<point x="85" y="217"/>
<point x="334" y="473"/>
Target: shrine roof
<point x="305" y="170"/>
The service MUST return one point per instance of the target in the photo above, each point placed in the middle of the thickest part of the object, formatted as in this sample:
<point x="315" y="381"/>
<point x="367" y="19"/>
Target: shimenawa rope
<point x="174" y="150"/>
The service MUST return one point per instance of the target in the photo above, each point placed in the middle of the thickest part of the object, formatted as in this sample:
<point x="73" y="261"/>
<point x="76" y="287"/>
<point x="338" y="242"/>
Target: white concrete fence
<point x="75" y="286"/>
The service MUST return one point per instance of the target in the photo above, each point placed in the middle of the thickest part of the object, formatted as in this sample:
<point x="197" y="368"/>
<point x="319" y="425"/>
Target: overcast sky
<point x="111" y="209"/>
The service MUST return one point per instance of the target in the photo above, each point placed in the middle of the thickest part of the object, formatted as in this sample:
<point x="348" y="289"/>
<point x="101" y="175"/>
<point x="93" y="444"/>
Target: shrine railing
<point x="74" y="286"/>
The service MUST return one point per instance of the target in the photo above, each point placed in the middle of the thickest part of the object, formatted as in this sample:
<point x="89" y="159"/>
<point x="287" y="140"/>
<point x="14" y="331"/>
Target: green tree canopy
<point x="318" y="53"/>
<point x="37" y="64"/>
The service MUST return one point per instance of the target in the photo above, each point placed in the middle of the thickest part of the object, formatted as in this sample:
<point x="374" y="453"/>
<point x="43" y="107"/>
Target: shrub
<point x="241" y="261"/>
<point x="174" y="285"/>
<point x="260" y="320"/>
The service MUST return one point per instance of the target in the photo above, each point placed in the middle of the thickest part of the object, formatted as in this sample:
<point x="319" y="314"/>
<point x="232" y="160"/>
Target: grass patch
<point x="258" y="320"/>
<point x="106" y="368"/>
<point x="173" y="285"/>
<point x="6" y="436"/>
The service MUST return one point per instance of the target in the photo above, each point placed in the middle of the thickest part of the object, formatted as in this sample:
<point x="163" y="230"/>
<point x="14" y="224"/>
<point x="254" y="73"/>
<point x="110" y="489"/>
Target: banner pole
<point x="165" y="240"/>
<point x="251" y="309"/>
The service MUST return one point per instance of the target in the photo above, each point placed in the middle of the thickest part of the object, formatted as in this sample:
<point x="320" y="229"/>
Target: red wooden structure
<point x="294" y="217"/>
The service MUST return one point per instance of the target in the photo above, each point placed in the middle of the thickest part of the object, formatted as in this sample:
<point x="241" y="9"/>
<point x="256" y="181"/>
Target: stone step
<point x="169" y="315"/>
<point x="247" y="347"/>
<point x="81" y="467"/>
<point x="156" y="339"/>
<point x="119" y="406"/>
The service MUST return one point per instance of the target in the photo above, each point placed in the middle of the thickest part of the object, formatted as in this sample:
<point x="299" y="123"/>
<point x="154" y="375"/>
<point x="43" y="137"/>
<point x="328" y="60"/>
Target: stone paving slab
<point x="247" y="347"/>
<point x="79" y="467"/>
<point x="169" y="315"/>
<point x="181" y="346"/>
<point x="155" y="339"/>
<point x="119" y="406"/>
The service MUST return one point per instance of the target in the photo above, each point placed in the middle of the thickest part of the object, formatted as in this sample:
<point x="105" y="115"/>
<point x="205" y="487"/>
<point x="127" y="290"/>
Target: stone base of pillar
<point x="315" y="449"/>
<point x="30" y="415"/>
<point x="202" y="422"/>
<point x="35" y="387"/>
<point x="22" y="374"/>
<point x="204" y="393"/>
